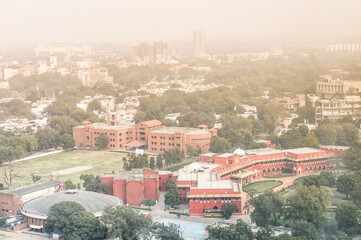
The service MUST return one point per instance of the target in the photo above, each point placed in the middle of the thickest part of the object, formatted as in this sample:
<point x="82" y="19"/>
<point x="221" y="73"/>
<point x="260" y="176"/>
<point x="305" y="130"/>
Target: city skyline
<point x="143" y="21"/>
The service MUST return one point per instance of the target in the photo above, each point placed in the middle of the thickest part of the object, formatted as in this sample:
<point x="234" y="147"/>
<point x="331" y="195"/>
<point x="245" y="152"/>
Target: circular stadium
<point x="35" y="211"/>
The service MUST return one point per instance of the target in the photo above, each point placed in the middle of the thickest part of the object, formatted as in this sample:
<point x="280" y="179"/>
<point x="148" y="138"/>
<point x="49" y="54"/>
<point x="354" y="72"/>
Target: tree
<point x="93" y="184"/>
<point x="66" y="141"/>
<point x="303" y="130"/>
<point x="148" y="202"/>
<point x="34" y="177"/>
<point x="46" y="138"/>
<point x="63" y="124"/>
<point x="266" y="206"/>
<point x="308" y="204"/>
<point x="124" y="222"/>
<point x="10" y="172"/>
<point x="220" y="145"/>
<point x="101" y="141"/>
<point x="68" y="184"/>
<point x="304" y="228"/>
<point x="326" y="178"/>
<point x="159" y="161"/>
<point x="326" y="134"/>
<point x="152" y="163"/>
<point x="228" y="209"/>
<point x="353" y="157"/>
<point x="240" y="230"/>
<point x="3" y="222"/>
<point x="345" y="183"/>
<point x="94" y="105"/>
<point x="306" y="113"/>
<point x="171" y="197"/>
<point x="347" y="215"/>
<point x="163" y="232"/>
<point x="74" y="222"/>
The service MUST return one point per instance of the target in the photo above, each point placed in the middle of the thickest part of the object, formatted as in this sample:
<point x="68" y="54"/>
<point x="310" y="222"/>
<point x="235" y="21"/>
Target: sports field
<point x="68" y="166"/>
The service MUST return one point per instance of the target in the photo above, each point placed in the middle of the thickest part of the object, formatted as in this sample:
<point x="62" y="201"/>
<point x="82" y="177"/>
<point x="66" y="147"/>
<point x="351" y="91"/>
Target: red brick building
<point x="134" y="186"/>
<point x="216" y="178"/>
<point x="150" y="135"/>
<point x="13" y="200"/>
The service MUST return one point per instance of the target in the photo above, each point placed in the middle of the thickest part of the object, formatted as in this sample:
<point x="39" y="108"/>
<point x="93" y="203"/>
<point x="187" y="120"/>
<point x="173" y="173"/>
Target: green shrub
<point x="148" y="202"/>
<point x="141" y="208"/>
<point x="179" y="213"/>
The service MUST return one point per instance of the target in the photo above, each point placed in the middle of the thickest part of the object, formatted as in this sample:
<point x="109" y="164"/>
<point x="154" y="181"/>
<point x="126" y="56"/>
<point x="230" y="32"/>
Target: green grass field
<point x="99" y="162"/>
<point x="259" y="187"/>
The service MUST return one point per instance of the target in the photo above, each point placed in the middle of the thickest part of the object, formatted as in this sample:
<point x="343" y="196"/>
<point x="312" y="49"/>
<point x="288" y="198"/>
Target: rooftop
<point x="303" y="150"/>
<point x="188" y="131"/>
<point x="104" y="126"/>
<point x="263" y="151"/>
<point x="33" y="188"/>
<point x="93" y="202"/>
<point x="152" y="123"/>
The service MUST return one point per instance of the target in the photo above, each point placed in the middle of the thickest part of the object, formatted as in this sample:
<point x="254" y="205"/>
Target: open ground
<point x="70" y="165"/>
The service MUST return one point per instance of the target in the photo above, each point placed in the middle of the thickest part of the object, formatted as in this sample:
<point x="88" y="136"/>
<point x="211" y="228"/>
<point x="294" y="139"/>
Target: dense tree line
<point x="15" y="109"/>
<point x="283" y="76"/>
<point x="242" y="230"/>
<point x="165" y="159"/>
<point x="342" y="133"/>
<point x="43" y="85"/>
<point x="305" y="211"/>
<point x="119" y="222"/>
<point x="13" y="146"/>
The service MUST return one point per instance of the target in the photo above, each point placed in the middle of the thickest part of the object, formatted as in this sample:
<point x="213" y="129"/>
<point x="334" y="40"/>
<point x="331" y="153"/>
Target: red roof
<point x="135" y="144"/>
<point x="152" y="123"/>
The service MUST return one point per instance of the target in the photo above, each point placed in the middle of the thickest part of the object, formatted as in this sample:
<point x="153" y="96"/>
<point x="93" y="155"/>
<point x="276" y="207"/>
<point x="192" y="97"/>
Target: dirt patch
<point x="71" y="170"/>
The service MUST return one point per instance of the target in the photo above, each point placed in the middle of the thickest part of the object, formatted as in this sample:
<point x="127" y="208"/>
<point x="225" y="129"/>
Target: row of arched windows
<point x="315" y="168"/>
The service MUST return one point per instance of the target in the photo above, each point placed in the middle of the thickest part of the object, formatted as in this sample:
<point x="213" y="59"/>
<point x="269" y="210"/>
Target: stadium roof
<point x="93" y="202"/>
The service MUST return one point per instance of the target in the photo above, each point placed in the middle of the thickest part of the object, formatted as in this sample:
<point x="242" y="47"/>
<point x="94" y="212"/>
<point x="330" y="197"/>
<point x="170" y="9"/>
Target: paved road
<point x="158" y="211"/>
<point x="19" y="236"/>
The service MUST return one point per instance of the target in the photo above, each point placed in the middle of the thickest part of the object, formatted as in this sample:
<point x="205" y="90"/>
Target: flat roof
<point x="33" y="188"/>
<point x="262" y="151"/>
<point x="214" y="184"/>
<point x="303" y="150"/>
<point x="104" y="126"/>
<point x="187" y="131"/>
<point x="226" y="155"/>
<point x="334" y="147"/>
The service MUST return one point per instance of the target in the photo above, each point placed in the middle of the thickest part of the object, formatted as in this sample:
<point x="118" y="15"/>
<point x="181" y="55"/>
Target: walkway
<point x="35" y="155"/>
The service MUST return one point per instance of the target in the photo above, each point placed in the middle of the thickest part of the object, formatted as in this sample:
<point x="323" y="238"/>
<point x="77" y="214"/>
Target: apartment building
<point x="335" y="109"/>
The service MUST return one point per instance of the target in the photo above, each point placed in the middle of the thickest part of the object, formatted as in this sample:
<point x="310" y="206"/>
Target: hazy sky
<point x="45" y="21"/>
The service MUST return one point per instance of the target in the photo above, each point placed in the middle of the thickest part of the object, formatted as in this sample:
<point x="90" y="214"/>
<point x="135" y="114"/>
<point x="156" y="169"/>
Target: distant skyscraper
<point x="146" y="53"/>
<point x="199" y="43"/>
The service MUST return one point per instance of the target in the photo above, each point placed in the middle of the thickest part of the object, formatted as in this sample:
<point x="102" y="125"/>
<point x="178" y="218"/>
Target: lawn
<point x="93" y="162"/>
<point x="259" y="187"/>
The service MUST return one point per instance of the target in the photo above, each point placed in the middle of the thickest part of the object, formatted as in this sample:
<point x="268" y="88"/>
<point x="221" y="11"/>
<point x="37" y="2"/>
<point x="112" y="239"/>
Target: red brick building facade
<point x="150" y="134"/>
<point x="216" y="178"/>
<point x="134" y="186"/>
<point x="12" y="200"/>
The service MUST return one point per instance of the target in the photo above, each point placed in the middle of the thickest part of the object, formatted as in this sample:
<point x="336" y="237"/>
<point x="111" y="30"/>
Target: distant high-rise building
<point x="146" y="53"/>
<point x="53" y="61"/>
<point x="199" y="43"/>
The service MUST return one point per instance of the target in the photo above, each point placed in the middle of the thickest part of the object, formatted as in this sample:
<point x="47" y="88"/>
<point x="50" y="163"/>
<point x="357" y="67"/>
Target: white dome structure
<point x="240" y="152"/>
<point x="194" y="167"/>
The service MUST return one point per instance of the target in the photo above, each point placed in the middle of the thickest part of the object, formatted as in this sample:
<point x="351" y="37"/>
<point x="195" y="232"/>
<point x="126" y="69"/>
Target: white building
<point x="10" y="72"/>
